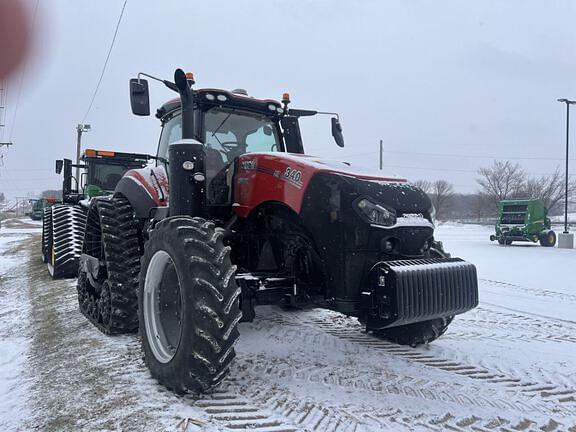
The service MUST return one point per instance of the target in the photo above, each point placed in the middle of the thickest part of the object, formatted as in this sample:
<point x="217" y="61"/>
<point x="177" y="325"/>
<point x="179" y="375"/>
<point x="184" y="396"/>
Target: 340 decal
<point x="293" y="175"/>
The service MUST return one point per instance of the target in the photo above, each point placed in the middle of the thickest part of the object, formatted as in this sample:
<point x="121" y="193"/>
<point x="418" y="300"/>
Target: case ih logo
<point x="249" y="164"/>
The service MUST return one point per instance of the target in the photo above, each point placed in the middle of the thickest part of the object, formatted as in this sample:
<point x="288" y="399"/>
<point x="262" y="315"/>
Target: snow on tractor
<point x="235" y="215"/>
<point x="63" y="223"/>
<point x="524" y="220"/>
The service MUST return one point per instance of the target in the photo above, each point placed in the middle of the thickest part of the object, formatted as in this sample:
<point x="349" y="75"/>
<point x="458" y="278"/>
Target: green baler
<point x="523" y="220"/>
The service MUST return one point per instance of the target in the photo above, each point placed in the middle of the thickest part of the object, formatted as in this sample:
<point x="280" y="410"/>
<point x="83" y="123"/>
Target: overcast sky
<point x="448" y="85"/>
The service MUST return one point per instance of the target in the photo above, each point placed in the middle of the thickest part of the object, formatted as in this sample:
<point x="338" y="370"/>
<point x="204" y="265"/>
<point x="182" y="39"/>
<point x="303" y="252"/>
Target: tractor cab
<point x="229" y="124"/>
<point x="101" y="171"/>
<point x="104" y="169"/>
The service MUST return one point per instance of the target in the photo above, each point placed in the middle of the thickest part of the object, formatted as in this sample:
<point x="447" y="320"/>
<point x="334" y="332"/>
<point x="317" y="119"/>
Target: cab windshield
<point x="228" y="133"/>
<point x="106" y="176"/>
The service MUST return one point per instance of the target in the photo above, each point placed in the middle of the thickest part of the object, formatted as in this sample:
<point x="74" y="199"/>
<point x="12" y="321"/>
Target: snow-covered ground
<point x="509" y="365"/>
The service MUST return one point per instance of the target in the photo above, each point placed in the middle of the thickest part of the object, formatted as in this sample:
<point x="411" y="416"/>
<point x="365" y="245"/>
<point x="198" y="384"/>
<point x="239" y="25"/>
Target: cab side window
<point x="263" y="139"/>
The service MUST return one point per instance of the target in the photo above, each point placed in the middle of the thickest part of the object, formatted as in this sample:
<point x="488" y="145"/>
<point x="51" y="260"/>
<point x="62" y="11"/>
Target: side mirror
<point x="139" y="97"/>
<point x="59" y="165"/>
<point x="337" y="132"/>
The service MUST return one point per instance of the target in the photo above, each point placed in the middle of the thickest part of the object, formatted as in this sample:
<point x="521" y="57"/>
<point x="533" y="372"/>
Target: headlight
<point x="375" y="213"/>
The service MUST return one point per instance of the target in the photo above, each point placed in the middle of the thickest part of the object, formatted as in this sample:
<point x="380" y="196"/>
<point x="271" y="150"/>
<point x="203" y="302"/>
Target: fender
<point x="145" y="188"/>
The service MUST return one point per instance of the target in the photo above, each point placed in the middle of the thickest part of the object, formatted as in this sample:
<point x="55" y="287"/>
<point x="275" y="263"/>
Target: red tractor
<point x="235" y="215"/>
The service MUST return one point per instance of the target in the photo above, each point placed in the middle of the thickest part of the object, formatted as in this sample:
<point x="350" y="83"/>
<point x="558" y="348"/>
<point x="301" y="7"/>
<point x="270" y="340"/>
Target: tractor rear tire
<point x="46" y="233"/>
<point x="416" y="334"/>
<point x="188" y="305"/>
<point x="67" y="223"/>
<point x="548" y="238"/>
<point x="110" y="300"/>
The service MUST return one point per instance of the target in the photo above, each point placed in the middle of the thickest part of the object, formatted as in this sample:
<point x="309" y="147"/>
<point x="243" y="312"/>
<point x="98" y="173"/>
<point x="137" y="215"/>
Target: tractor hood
<point x="344" y="168"/>
<point x="305" y="176"/>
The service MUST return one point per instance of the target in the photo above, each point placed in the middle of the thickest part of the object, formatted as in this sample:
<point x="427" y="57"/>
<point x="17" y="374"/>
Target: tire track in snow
<point x="354" y="332"/>
<point x="513" y="326"/>
<point x="321" y="417"/>
<point x="533" y="291"/>
<point x="81" y="379"/>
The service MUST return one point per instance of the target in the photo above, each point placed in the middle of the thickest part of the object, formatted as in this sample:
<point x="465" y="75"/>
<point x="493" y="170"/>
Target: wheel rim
<point x="551" y="238"/>
<point x="162" y="307"/>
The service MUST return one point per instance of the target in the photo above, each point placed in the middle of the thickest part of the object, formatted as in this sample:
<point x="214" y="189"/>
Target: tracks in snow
<point x="532" y="291"/>
<point x="271" y="391"/>
<point x="350" y="330"/>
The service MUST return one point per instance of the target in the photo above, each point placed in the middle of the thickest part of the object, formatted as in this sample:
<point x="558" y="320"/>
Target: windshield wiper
<point x="222" y="124"/>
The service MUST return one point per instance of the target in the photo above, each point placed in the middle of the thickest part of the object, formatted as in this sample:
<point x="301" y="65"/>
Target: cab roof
<point x="219" y="97"/>
<point x="114" y="156"/>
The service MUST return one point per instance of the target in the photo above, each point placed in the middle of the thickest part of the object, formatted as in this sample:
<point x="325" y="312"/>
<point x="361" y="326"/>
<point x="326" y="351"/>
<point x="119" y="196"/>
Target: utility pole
<point x="566" y="240"/>
<point x="380" y="155"/>
<point x="81" y="128"/>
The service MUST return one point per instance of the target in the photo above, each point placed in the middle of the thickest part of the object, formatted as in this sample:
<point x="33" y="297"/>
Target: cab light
<point x="90" y="153"/>
<point x="222" y="98"/>
<point x="106" y="153"/>
<point x="210" y="96"/>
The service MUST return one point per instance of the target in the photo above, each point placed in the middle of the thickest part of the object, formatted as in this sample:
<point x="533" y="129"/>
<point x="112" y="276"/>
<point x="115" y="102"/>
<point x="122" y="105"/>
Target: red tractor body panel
<point x="259" y="178"/>
<point x="153" y="180"/>
<point x="284" y="178"/>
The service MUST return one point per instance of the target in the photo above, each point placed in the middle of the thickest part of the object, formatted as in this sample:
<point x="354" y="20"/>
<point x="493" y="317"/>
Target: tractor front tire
<point x="416" y="334"/>
<point x="110" y="300"/>
<point x="67" y="224"/>
<point x="188" y="305"/>
<point x="548" y="238"/>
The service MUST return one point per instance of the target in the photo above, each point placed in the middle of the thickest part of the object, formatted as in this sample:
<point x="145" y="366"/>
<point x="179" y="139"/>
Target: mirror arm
<point x="168" y="84"/>
<point x="329" y="113"/>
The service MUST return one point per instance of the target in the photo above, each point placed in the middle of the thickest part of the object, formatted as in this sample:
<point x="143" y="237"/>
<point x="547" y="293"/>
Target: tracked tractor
<point x="235" y="215"/>
<point x="63" y="223"/>
<point x="38" y="206"/>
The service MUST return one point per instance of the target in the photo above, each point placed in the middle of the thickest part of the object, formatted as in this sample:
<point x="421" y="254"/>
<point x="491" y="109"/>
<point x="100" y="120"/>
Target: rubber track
<point x="46" y="240"/>
<point x="68" y="223"/>
<point x="114" y="310"/>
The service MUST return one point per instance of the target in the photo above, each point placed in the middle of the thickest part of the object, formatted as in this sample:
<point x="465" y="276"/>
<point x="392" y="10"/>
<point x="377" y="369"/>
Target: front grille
<point x="423" y="289"/>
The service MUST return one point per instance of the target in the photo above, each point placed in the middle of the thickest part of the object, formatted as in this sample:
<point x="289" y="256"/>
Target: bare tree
<point x="501" y="181"/>
<point x="550" y="189"/>
<point x="425" y="185"/>
<point x="442" y="193"/>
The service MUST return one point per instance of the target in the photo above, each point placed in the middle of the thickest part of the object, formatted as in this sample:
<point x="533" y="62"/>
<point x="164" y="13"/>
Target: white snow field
<point x="508" y="365"/>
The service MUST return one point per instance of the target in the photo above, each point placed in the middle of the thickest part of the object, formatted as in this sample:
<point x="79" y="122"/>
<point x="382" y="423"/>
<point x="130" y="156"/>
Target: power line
<point x="498" y="157"/>
<point x="478" y="156"/>
<point x="105" y="62"/>
<point x="455" y="170"/>
<point x="21" y="80"/>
